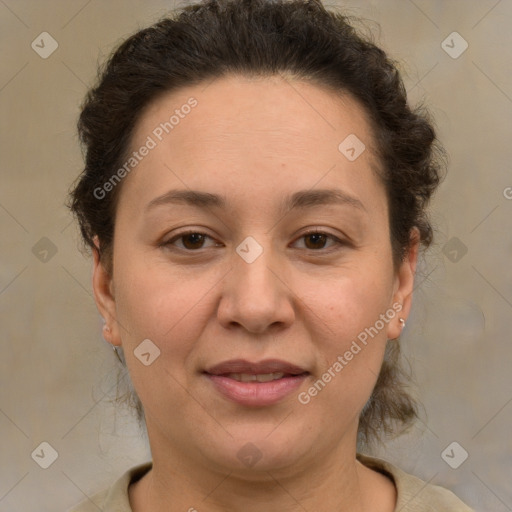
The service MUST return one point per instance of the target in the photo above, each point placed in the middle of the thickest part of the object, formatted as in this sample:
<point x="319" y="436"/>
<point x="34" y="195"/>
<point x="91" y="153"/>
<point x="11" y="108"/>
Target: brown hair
<point x="304" y="40"/>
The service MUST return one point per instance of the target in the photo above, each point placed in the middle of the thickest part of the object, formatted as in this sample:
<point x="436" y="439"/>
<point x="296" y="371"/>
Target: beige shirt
<point x="413" y="494"/>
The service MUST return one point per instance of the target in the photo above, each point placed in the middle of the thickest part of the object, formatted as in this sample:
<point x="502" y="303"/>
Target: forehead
<point x="263" y="105"/>
<point x="254" y="133"/>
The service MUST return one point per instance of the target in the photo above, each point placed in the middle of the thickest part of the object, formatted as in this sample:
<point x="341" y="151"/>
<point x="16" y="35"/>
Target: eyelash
<point x="337" y="241"/>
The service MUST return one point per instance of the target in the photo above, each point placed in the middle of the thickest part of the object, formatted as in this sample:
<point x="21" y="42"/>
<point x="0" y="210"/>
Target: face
<point x="283" y="253"/>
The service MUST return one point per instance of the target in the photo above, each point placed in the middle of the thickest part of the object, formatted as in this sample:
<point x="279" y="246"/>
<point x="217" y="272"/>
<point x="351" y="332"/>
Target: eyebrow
<point x="299" y="200"/>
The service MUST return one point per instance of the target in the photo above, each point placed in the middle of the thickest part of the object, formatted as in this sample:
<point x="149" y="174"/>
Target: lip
<point x="256" y="394"/>
<point x="253" y="368"/>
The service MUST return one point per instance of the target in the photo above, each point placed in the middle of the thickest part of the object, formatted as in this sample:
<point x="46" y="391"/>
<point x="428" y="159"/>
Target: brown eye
<point x="193" y="240"/>
<point x="317" y="240"/>
<point x="190" y="241"/>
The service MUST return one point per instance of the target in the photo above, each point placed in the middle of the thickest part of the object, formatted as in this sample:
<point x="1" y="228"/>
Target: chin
<point x="254" y="455"/>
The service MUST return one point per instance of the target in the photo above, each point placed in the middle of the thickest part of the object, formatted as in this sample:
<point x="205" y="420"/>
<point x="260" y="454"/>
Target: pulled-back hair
<point x="299" y="39"/>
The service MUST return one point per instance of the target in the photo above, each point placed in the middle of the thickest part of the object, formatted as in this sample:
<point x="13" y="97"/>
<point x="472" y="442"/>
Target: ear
<point x="404" y="284"/>
<point x="103" y="290"/>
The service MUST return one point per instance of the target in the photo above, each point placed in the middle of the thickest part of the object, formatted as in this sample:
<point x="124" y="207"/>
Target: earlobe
<point x="107" y="332"/>
<point x="104" y="297"/>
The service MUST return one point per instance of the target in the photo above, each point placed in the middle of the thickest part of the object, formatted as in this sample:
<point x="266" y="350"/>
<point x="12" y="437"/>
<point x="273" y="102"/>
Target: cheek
<point x="153" y="305"/>
<point x="152" y="297"/>
<point x="348" y="301"/>
<point x="350" y="335"/>
<point x="149" y="305"/>
<point x="169" y="306"/>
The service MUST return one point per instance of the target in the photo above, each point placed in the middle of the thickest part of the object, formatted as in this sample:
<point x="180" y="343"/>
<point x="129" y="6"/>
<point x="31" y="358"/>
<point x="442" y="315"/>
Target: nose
<point x="256" y="296"/>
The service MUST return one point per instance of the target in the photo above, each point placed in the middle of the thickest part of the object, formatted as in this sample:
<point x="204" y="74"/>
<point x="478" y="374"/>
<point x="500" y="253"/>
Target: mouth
<point x="256" y="384"/>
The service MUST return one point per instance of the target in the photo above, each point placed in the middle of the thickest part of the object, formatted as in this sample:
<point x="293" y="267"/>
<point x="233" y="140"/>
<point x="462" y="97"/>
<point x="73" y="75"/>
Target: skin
<point x="254" y="141"/>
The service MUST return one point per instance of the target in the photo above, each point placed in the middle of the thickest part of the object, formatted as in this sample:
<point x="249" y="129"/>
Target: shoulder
<point x="115" y="498"/>
<point x="414" y="494"/>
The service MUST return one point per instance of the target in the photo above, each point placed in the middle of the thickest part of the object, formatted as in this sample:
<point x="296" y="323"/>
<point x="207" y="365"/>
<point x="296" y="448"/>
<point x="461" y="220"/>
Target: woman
<point x="254" y="196"/>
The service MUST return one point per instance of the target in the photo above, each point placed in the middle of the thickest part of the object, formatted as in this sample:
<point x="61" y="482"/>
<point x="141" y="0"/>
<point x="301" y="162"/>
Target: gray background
<point x="58" y="377"/>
